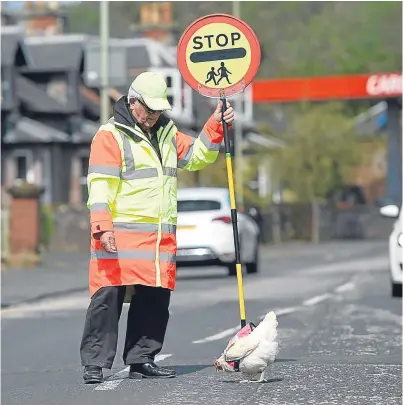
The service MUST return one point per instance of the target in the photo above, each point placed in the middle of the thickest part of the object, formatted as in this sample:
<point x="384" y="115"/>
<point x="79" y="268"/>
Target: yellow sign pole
<point x="234" y="218"/>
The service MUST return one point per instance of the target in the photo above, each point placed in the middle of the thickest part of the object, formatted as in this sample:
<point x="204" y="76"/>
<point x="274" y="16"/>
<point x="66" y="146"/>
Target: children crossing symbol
<point x="222" y="74"/>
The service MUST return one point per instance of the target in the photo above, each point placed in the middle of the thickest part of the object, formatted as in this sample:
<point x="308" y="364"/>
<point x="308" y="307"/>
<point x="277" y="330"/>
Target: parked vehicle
<point x="395" y="247"/>
<point x="205" y="233"/>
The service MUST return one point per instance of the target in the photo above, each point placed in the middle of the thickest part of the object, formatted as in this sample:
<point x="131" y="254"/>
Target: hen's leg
<point x="250" y="379"/>
<point x="261" y="379"/>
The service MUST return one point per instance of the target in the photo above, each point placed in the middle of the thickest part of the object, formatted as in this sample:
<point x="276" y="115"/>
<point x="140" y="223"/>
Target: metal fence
<point x="281" y="223"/>
<point x="322" y="222"/>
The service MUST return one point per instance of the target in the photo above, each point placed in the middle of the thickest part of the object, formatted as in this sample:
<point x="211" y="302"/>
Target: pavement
<point x="58" y="274"/>
<point x="340" y="333"/>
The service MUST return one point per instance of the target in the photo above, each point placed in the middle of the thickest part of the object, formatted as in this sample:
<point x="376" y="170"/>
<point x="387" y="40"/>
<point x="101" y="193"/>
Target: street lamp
<point x="236" y="11"/>
<point x="104" y="47"/>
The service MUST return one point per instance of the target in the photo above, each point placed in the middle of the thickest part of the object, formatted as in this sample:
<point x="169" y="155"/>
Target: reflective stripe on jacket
<point x="133" y="192"/>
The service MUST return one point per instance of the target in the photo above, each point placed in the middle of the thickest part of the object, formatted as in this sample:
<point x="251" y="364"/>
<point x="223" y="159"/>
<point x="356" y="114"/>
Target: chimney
<point x="42" y="18"/>
<point x="156" y="21"/>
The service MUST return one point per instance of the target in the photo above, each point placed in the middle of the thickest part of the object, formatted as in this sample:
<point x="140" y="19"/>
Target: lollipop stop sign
<point x="218" y="55"/>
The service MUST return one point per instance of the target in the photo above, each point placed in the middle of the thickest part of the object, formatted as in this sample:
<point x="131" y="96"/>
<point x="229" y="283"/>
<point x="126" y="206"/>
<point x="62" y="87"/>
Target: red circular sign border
<point x="255" y="55"/>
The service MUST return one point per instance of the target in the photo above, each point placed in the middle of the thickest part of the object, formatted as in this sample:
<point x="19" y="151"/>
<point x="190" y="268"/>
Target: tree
<point x="321" y="149"/>
<point x="297" y="38"/>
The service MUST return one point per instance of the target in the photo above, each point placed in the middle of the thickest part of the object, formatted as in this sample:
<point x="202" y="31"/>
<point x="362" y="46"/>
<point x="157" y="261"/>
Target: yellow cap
<point x="152" y="90"/>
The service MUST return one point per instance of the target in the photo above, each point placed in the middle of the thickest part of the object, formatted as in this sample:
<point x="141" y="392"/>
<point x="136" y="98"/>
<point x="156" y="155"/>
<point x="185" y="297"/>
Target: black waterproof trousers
<point x="146" y="325"/>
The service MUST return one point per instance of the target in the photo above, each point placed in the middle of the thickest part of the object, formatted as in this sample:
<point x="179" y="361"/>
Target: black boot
<point x="150" y="370"/>
<point x="93" y="375"/>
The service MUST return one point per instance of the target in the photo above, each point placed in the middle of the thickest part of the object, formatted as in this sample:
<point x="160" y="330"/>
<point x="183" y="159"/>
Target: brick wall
<point x="24" y="225"/>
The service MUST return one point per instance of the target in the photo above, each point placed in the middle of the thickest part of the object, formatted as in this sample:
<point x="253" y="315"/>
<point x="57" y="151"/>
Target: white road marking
<point x="113" y="383"/>
<point x="280" y="311"/>
<point x="115" y="379"/>
<point x="47" y="305"/>
<point x="345" y="287"/>
<point x="235" y="329"/>
<point x="218" y="336"/>
<point x="315" y="300"/>
<point x="356" y="266"/>
<point x="285" y="311"/>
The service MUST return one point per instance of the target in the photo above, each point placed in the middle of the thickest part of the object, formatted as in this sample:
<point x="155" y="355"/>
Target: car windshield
<point x="198" y="205"/>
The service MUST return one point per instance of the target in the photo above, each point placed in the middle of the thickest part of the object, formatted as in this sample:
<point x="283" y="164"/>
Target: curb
<point x="55" y="294"/>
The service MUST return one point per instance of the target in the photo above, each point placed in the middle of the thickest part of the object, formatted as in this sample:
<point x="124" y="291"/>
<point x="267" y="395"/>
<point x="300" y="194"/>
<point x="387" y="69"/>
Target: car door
<point x="247" y="231"/>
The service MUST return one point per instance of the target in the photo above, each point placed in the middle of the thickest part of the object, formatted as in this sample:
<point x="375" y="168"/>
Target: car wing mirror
<point x="390" y="211"/>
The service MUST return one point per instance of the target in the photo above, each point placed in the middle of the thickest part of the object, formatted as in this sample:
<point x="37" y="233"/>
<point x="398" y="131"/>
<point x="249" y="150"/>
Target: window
<point x="198" y="205"/>
<point x="84" y="166"/>
<point x="83" y="178"/>
<point x="57" y="89"/>
<point x="23" y="167"/>
<point x="172" y="96"/>
<point x="170" y="90"/>
<point x="170" y="100"/>
<point x="5" y="87"/>
<point x="244" y="105"/>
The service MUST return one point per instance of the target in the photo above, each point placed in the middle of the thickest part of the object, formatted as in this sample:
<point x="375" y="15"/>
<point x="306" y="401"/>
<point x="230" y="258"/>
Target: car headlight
<point x="400" y="240"/>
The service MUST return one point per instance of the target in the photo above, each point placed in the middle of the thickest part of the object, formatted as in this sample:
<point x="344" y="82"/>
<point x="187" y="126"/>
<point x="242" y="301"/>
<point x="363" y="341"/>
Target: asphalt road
<point x="340" y="335"/>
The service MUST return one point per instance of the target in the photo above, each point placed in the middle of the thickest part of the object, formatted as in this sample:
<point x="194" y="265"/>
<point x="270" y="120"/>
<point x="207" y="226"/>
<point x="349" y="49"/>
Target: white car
<point x="395" y="247"/>
<point x="205" y="234"/>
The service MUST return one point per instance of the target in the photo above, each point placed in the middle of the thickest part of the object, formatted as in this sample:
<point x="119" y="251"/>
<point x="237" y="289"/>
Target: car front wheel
<point x="232" y="269"/>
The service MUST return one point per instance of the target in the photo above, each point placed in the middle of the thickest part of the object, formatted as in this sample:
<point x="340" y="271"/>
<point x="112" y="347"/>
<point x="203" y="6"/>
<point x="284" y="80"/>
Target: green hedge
<point x="46" y="224"/>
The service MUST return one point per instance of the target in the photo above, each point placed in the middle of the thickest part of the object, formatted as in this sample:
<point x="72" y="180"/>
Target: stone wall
<point x="323" y="222"/>
<point x="71" y="230"/>
<point x="282" y="223"/>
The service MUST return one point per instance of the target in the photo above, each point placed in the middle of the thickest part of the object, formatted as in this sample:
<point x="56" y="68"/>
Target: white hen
<point x="256" y="350"/>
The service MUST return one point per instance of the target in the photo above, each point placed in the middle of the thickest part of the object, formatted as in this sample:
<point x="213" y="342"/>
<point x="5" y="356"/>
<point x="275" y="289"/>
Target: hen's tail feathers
<point x="267" y="329"/>
<point x="269" y="351"/>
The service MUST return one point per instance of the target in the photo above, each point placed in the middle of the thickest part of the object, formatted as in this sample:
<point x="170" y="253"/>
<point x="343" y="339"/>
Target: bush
<point x="46" y="225"/>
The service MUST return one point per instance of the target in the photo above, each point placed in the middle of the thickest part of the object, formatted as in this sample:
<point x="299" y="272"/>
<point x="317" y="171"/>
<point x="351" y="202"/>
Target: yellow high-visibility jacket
<point x="133" y="192"/>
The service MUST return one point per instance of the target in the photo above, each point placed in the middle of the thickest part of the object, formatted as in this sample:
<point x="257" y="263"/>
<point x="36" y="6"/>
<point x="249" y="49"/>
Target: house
<point x="13" y="58"/>
<point x="14" y="164"/>
<point x="55" y="110"/>
<point x="47" y="90"/>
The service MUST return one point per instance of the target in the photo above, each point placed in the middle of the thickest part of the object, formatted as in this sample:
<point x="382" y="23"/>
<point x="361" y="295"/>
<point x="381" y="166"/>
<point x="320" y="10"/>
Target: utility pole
<point x="236" y="11"/>
<point x="104" y="48"/>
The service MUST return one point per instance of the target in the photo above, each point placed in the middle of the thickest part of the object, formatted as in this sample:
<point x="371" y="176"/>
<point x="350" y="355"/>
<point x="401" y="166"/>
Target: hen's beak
<point x="217" y="366"/>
